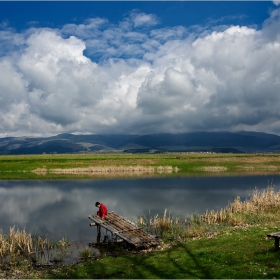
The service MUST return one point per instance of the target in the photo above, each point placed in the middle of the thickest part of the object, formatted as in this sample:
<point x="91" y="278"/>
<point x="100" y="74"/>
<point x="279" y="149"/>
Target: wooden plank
<point x="275" y="234"/>
<point x="126" y="230"/>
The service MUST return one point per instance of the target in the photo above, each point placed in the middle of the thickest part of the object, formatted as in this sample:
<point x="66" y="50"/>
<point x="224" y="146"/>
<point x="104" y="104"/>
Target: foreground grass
<point x="234" y="253"/>
<point x="21" y="166"/>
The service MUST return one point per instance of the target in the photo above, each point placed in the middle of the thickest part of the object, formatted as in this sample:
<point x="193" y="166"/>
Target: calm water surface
<point x="61" y="208"/>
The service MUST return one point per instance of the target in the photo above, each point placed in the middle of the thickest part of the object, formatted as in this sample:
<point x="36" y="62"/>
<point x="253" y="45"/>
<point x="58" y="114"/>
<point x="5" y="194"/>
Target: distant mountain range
<point x="236" y="142"/>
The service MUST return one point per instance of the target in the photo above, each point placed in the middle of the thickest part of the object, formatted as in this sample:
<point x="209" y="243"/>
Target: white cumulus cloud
<point x="142" y="19"/>
<point x="98" y="77"/>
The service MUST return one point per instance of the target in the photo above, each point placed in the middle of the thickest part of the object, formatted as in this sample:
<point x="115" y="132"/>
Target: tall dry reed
<point x="236" y="213"/>
<point x="19" y="245"/>
<point x="264" y="201"/>
<point x="163" y="226"/>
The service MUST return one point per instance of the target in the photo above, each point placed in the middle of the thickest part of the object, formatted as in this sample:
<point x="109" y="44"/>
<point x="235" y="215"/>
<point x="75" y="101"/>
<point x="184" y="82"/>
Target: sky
<point x="137" y="67"/>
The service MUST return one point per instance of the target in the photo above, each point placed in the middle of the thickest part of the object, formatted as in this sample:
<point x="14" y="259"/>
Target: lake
<point x="60" y="208"/>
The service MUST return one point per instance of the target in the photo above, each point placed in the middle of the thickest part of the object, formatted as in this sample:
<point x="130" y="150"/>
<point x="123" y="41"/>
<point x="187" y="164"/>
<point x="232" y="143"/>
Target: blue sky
<point x="20" y="15"/>
<point x="139" y="67"/>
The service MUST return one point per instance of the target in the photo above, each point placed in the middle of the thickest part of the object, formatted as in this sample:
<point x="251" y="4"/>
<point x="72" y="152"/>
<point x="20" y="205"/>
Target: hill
<point x="250" y="142"/>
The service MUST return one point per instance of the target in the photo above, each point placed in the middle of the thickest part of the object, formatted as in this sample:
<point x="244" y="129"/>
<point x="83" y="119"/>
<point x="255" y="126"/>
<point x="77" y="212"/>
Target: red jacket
<point x="102" y="211"/>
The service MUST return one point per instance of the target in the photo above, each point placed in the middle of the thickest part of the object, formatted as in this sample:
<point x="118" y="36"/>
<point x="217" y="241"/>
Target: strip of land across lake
<point x="59" y="165"/>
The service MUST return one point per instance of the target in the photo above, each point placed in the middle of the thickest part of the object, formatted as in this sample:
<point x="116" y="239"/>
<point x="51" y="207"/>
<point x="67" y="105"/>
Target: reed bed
<point x="214" y="168"/>
<point x="107" y="170"/>
<point x="261" y="201"/>
<point x="211" y="168"/>
<point x="258" y="167"/>
<point x="163" y="226"/>
<point x="260" y="205"/>
<point x="19" y="245"/>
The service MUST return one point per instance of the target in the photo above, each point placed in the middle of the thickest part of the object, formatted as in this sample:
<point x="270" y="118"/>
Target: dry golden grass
<point x="213" y="168"/>
<point x="22" y="245"/>
<point x="107" y="170"/>
<point x="128" y="161"/>
<point x="163" y="223"/>
<point x="263" y="201"/>
<point x="238" y="213"/>
<point x="258" y="167"/>
<point x="17" y="242"/>
<point x="244" y="159"/>
<point x="40" y="171"/>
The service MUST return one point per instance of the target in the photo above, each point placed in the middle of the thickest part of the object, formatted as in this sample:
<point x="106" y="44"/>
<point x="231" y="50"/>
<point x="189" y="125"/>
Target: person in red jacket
<point x="102" y="212"/>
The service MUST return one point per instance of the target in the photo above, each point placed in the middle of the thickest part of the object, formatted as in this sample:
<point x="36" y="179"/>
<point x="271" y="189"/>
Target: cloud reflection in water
<point x="61" y="208"/>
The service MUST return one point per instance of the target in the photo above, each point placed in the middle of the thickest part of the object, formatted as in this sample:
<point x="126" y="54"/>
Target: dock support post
<point x="276" y="243"/>
<point x="98" y="233"/>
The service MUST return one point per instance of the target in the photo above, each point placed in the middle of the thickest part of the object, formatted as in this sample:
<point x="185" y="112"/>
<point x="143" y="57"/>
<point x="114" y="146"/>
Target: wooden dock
<point x="126" y="230"/>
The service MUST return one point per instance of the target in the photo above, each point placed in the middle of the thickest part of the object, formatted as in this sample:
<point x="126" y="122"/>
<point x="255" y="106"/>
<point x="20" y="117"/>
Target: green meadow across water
<point x="23" y="166"/>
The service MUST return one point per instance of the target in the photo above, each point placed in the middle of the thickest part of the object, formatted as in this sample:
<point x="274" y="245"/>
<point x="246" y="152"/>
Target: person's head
<point x="97" y="204"/>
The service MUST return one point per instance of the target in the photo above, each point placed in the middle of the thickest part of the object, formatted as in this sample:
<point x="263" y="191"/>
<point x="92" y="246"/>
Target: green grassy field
<point x="21" y="166"/>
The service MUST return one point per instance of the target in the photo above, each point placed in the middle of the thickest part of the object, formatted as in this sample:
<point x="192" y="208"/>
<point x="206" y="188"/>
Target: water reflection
<point x="61" y="208"/>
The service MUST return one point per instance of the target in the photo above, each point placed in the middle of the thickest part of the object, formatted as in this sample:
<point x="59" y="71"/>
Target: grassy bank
<point x="236" y="253"/>
<point x="51" y="166"/>
<point x="242" y="253"/>
<point x="229" y="243"/>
